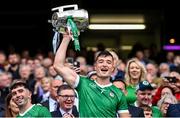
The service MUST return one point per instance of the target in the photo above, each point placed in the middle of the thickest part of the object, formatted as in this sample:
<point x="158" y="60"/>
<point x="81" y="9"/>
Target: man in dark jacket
<point x="66" y="97"/>
<point x="51" y="103"/>
<point x="173" y="110"/>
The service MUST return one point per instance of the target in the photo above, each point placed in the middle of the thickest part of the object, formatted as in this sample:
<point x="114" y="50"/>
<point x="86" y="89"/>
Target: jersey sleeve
<point x="77" y="81"/>
<point x="44" y="112"/>
<point x="122" y="105"/>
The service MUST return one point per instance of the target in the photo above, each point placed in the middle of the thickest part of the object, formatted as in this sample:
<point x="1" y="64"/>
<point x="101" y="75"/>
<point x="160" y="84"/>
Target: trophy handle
<point x="61" y="9"/>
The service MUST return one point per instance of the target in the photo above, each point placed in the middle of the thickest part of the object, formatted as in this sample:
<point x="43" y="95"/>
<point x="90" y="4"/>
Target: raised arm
<point x="69" y="75"/>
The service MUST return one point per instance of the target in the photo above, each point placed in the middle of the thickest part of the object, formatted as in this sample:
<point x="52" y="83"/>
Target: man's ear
<point x="29" y="94"/>
<point x="95" y="67"/>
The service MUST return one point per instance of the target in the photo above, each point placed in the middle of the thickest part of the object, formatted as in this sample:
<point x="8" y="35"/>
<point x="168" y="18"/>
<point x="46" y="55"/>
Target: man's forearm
<point x="61" y="53"/>
<point x="64" y="71"/>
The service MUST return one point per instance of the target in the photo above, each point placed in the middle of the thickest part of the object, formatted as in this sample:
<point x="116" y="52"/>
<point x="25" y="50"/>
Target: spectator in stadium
<point x="144" y="97"/>
<point x="164" y="102"/>
<point x="11" y="109"/>
<point x="21" y="95"/>
<point x="66" y="97"/>
<point x="51" y="102"/>
<point x="133" y="110"/>
<point x="135" y="73"/>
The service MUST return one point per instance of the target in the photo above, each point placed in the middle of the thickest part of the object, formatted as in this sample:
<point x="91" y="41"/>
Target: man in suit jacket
<point x="51" y="103"/>
<point x="173" y="110"/>
<point x="65" y="98"/>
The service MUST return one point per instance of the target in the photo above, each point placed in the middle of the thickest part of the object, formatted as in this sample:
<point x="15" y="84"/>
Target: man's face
<point x="25" y="72"/>
<point x="5" y="81"/>
<point x="21" y="96"/>
<point x="39" y="73"/>
<point x="54" y="87"/>
<point x="144" y="97"/>
<point x="151" y="69"/>
<point x="13" y="59"/>
<point x="52" y="72"/>
<point x="104" y="66"/>
<point x="66" y="99"/>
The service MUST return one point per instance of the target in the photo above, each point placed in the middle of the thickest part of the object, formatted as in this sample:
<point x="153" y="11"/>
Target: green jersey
<point x="156" y="112"/>
<point x="99" y="101"/>
<point x="35" y="111"/>
<point x="131" y="94"/>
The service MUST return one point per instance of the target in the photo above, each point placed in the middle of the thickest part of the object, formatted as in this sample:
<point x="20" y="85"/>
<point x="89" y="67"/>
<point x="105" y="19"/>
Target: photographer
<point x="175" y="84"/>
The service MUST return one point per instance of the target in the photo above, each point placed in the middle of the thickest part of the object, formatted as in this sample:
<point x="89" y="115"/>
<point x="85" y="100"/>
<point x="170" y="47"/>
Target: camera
<point x="171" y="79"/>
<point x="76" y="64"/>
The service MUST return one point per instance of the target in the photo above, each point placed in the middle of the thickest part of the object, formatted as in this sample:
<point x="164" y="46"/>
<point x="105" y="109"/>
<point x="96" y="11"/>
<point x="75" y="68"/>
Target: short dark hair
<point x="64" y="87"/>
<point x="17" y="83"/>
<point x="119" y="80"/>
<point x="146" y="108"/>
<point x="104" y="53"/>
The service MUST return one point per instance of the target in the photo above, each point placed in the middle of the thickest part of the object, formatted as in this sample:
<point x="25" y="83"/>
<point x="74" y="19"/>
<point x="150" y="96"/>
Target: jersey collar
<point x="22" y="114"/>
<point x="103" y="86"/>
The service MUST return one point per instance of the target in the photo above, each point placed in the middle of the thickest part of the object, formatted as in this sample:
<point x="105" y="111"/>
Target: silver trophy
<point x="59" y="19"/>
<point x="73" y="19"/>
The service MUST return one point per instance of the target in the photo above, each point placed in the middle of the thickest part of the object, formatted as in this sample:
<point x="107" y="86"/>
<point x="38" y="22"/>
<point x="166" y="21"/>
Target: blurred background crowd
<point x="151" y="54"/>
<point x="43" y="80"/>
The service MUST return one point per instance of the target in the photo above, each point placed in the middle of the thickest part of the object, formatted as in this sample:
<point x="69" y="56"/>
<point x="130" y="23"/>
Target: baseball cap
<point x="144" y="85"/>
<point x="16" y="83"/>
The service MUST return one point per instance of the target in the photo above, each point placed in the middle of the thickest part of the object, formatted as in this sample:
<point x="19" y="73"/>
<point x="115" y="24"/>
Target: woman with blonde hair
<point x="134" y="73"/>
<point x="164" y="102"/>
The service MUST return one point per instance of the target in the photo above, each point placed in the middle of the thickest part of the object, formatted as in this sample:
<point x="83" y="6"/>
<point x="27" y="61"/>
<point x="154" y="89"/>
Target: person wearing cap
<point x="133" y="110"/>
<point x="21" y="95"/>
<point x="97" y="98"/>
<point x="144" y="97"/>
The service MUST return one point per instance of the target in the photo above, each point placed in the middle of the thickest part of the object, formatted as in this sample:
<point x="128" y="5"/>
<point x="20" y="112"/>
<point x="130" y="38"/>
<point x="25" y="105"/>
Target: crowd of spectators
<point x="129" y="74"/>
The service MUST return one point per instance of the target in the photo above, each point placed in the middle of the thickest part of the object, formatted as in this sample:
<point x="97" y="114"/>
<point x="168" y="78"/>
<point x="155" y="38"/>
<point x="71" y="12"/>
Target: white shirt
<point x="63" y="112"/>
<point x="52" y="104"/>
<point x="45" y="96"/>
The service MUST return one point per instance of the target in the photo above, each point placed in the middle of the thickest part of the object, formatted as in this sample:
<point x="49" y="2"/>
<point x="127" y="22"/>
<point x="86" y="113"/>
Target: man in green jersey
<point x="99" y="98"/>
<point x="21" y="95"/>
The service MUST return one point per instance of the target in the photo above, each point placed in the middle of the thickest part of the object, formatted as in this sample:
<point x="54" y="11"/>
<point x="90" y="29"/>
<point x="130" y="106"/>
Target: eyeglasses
<point x="65" y="97"/>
